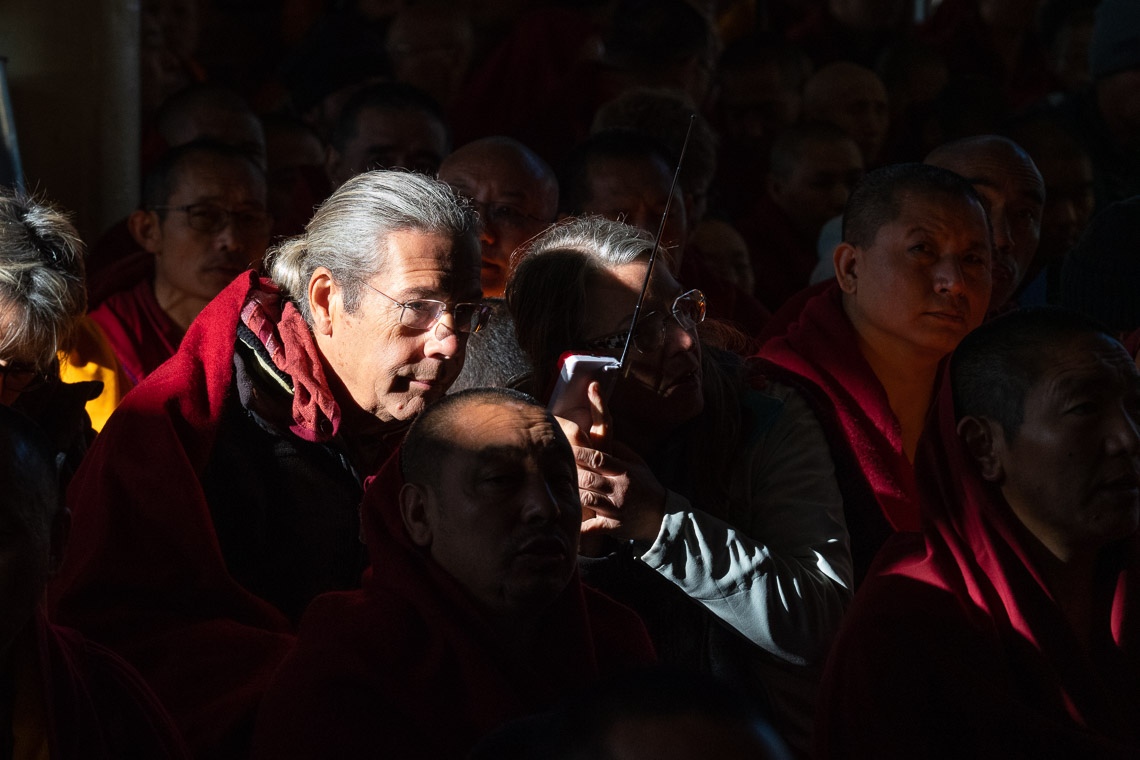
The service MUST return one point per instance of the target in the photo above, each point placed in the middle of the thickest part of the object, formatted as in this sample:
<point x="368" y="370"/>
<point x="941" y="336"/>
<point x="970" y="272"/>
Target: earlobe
<point x="983" y="440"/>
<point x="146" y="228"/>
<point x="413" y="511"/>
<point x="846" y="260"/>
<point x="324" y="298"/>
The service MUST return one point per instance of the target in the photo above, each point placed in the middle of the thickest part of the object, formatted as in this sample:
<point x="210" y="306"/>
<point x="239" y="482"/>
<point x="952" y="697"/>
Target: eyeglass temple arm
<point x="622" y="364"/>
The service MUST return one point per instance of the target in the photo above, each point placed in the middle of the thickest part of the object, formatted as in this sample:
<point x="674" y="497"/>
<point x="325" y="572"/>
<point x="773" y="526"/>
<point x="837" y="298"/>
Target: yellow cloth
<point x="91" y="358"/>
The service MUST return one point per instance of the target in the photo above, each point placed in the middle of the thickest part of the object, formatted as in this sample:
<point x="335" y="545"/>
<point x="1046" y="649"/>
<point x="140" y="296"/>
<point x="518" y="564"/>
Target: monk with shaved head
<point x="515" y="192"/>
<point x="852" y="98"/>
<point x="1013" y="192"/>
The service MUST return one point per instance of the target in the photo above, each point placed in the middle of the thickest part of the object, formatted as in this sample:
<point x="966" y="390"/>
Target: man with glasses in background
<point x="203" y="218"/>
<point x="515" y="192"/>
<point x="223" y="494"/>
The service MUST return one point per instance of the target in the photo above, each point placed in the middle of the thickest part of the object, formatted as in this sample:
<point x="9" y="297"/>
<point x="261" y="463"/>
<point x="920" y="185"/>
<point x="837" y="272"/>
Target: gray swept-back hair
<point x="348" y="234"/>
<point x="547" y="291"/>
<point x="42" y="290"/>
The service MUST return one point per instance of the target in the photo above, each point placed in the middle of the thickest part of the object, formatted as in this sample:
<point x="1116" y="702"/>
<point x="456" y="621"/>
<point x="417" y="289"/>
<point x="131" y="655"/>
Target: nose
<point x="1125" y="438"/>
<point x="1003" y="235"/>
<point x="444" y="341"/>
<point x="540" y="504"/>
<point x="677" y="338"/>
<point x="948" y="274"/>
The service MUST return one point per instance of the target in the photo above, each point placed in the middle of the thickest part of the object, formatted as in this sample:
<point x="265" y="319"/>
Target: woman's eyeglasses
<point x="688" y="311"/>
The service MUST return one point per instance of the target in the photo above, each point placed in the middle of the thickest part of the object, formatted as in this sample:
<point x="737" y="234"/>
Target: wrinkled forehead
<point x="505" y="428"/>
<point x="1083" y="362"/>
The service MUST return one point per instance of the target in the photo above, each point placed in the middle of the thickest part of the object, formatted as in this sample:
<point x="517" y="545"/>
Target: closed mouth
<point x="543" y="546"/>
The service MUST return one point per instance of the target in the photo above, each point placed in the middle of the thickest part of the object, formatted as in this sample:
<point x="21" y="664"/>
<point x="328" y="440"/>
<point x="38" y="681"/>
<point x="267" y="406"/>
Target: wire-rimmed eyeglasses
<point x="424" y="313"/>
<point x="210" y="217"/>
<point x="688" y="310"/>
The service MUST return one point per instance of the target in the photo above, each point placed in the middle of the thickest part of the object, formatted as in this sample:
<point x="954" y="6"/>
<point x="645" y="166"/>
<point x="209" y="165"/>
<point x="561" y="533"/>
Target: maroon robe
<point x="96" y="707"/>
<point x="145" y="571"/>
<point x="954" y="646"/>
<point x="819" y="355"/>
<point x="409" y="667"/>
<point x="782" y="261"/>
<point x="140" y="332"/>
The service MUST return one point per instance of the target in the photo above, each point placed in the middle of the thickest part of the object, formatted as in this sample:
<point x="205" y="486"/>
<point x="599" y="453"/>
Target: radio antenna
<point x="653" y="253"/>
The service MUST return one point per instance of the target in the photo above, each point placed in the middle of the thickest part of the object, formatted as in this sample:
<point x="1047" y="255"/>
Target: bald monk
<point x="852" y="98"/>
<point x="515" y="192"/>
<point x="912" y="278"/>
<point x="473" y="614"/>
<point x="1013" y="194"/>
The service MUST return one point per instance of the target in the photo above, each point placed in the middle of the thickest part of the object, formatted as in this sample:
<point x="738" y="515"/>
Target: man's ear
<point x="846" y="262"/>
<point x="325" y="297"/>
<point x="146" y="228"/>
<point x="60" y="533"/>
<point x="984" y="440"/>
<point x="414" y="511"/>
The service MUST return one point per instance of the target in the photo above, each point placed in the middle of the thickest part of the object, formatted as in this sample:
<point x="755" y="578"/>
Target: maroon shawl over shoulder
<point x="821" y="348"/>
<point x="408" y="667"/>
<point x="144" y="572"/>
<point x="97" y="706"/>
<point x="954" y="646"/>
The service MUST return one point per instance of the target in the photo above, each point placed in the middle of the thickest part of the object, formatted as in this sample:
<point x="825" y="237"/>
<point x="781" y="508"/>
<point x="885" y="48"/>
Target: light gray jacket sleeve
<point x="781" y="573"/>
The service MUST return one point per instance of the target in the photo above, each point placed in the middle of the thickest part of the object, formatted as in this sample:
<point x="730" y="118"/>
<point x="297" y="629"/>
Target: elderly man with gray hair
<point x="222" y="495"/>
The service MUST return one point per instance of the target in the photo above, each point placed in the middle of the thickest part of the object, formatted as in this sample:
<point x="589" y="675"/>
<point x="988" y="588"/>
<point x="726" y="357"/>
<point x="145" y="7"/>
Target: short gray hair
<point x="42" y="290"/>
<point x="348" y="234"/>
<point x="547" y="292"/>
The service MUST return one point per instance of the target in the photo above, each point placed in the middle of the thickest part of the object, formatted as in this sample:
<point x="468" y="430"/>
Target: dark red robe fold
<point x="954" y="646"/>
<point x="140" y="332"/>
<point x="409" y="667"/>
<point x="96" y="706"/>
<point x="819" y="355"/>
<point x="144" y="571"/>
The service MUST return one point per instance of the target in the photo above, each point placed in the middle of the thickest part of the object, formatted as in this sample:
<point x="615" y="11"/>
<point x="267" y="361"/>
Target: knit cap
<point x="1101" y="275"/>
<point x="1115" y="44"/>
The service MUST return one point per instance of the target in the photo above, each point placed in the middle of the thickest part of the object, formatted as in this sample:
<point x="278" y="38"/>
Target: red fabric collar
<point x="290" y="344"/>
<point x="821" y="346"/>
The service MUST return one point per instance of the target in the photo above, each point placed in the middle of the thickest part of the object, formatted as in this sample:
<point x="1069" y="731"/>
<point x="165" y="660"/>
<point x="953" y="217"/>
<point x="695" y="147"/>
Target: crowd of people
<point x="283" y="481"/>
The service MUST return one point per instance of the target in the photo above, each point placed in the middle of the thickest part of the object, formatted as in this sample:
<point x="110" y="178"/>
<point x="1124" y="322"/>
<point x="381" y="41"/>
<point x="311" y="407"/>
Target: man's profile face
<point x="387" y="369"/>
<point x="1014" y="196"/>
<point x="818" y="186"/>
<point x="515" y="203"/>
<point x="192" y="262"/>
<point x="635" y="191"/>
<point x="925" y="280"/>
<point x="504" y="512"/>
<point x="1072" y="471"/>
<point x="405" y="138"/>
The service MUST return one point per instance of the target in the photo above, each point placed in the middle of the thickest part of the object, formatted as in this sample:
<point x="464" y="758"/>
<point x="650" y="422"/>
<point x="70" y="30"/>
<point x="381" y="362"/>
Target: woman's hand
<point x="622" y="493"/>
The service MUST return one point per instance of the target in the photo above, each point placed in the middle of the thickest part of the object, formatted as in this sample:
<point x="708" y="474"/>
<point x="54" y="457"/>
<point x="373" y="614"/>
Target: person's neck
<point x="181" y="309"/>
<point x="369" y="439"/>
<point x="907" y="376"/>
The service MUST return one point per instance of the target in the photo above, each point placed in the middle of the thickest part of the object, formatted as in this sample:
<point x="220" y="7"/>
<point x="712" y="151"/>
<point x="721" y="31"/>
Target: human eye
<point x="421" y="306"/>
<point x="508" y="215"/>
<point x="205" y="215"/>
